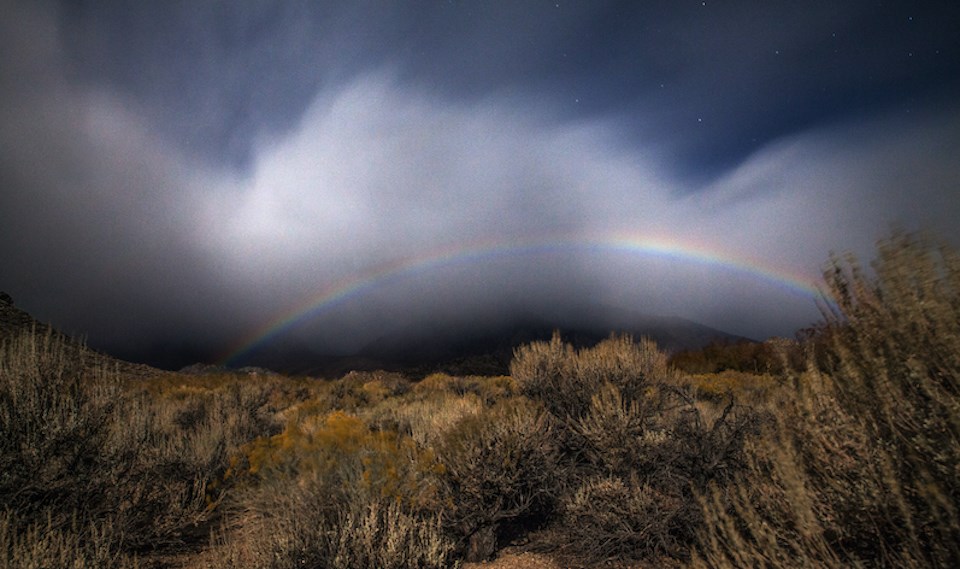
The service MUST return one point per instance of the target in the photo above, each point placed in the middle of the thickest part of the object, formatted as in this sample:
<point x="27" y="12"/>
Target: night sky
<point x="177" y="178"/>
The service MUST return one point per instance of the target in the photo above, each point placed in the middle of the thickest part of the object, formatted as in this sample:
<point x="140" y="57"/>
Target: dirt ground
<point x="511" y="558"/>
<point x="516" y="561"/>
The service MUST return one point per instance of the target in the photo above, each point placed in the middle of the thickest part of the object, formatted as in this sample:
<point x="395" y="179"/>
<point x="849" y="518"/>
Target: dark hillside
<point x="485" y="350"/>
<point x="14" y="321"/>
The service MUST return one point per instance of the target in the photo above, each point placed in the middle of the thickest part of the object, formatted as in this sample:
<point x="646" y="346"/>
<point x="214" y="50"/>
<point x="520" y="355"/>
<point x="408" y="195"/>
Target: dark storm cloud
<point x="176" y="175"/>
<point x="712" y="81"/>
<point x="97" y="233"/>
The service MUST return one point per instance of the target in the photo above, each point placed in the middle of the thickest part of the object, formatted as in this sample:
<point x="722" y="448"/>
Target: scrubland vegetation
<point x="838" y="450"/>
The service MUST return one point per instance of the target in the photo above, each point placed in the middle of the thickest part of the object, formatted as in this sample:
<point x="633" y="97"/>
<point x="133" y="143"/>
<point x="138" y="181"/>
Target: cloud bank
<point x="110" y="229"/>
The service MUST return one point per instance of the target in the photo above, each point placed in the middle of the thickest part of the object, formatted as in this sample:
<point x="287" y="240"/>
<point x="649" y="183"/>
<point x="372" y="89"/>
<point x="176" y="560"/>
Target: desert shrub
<point x="357" y="389"/>
<point x="630" y="366"/>
<point x="426" y="417"/>
<point x="545" y="371"/>
<point x="341" y="448"/>
<point x="565" y="379"/>
<point x="618" y="436"/>
<point x="273" y="392"/>
<point x="640" y="464"/>
<point x="81" y="457"/>
<point x="55" y="414"/>
<point x="609" y="517"/>
<point x="862" y="465"/>
<point x="814" y="482"/>
<point x="173" y="467"/>
<point x="742" y="356"/>
<point x="745" y="386"/>
<point x="627" y="429"/>
<point x="500" y="467"/>
<point x="435" y="382"/>
<point x="490" y="389"/>
<point x="328" y="491"/>
<point x="299" y="525"/>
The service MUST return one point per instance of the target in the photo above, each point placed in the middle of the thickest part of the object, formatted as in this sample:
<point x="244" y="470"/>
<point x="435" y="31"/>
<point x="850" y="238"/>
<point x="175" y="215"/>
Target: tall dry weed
<point x="55" y="419"/>
<point x="43" y="544"/>
<point x="863" y="464"/>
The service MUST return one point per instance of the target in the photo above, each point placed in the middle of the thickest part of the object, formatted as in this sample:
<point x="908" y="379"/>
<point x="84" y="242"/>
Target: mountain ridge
<point x="484" y="349"/>
<point x="417" y="350"/>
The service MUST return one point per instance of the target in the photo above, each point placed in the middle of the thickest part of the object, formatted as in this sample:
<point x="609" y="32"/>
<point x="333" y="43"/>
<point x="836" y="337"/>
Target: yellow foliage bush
<point x="424" y="418"/>
<point x="340" y="445"/>
<point x="715" y="386"/>
<point x="434" y="382"/>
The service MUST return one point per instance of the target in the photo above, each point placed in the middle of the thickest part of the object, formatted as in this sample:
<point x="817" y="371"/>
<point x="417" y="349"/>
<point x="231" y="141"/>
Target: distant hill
<point x="487" y="350"/>
<point x="490" y="350"/>
<point x="461" y="348"/>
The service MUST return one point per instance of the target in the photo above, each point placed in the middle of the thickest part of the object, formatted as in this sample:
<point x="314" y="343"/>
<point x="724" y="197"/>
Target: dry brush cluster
<point x="844" y="453"/>
<point x="99" y="473"/>
<point x="635" y="447"/>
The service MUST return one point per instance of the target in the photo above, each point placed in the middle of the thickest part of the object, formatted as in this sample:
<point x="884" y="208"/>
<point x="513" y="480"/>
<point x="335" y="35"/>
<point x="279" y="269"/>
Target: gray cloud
<point x="97" y="231"/>
<point x="112" y="225"/>
<point x="376" y="172"/>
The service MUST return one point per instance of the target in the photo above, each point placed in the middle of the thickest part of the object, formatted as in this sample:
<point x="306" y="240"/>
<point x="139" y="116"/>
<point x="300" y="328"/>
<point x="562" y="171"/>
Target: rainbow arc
<point x="343" y="290"/>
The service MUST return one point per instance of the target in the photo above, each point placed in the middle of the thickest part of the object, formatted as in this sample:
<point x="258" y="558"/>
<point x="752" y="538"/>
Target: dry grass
<point x="36" y="544"/>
